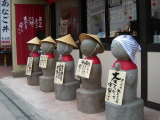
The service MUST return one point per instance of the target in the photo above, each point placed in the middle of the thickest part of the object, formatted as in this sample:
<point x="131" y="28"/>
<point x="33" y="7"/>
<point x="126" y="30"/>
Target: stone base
<point x="33" y="79"/>
<point x="128" y="111"/>
<point x="91" y="101"/>
<point x="46" y="83"/>
<point x="66" y="91"/>
<point x="17" y="74"/>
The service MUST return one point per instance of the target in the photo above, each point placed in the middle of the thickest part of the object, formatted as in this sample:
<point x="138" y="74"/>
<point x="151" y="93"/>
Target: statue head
<point x="34" y="45"/>
<point x="90" y="45"/>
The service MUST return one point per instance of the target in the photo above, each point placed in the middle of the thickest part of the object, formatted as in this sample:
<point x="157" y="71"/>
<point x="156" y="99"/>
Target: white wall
<point x="153" y="77"/>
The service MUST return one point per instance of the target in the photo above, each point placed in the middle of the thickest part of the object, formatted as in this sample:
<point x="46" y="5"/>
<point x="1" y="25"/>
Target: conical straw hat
<point x="67" y="39"/>
<point x="34" y="41"/>
<point x="48" y="39"/>
<point x="95" y="37"/>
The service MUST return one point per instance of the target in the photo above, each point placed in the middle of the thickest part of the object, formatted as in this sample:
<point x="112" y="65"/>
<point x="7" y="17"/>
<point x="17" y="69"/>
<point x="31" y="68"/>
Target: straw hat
<point x="48" y="39"/>
<point x="95" y="37"/>
<point x="67" y="39"/>
<point x="34" y="41"/>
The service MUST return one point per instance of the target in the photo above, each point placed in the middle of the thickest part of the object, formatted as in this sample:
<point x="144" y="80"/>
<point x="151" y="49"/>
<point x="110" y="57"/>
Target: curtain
<point x="28" y="19"/>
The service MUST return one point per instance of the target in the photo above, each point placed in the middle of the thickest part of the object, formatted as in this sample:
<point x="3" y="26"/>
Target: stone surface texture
<point x="91" y="96"/>
<point x="132" y="108"/>
<point x="67" y="90"/>
<point x="33" y="79"/>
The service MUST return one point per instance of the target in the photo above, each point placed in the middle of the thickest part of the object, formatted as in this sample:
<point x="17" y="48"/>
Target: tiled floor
<point x="55" y="109"/>
<point x="5" y="71"/>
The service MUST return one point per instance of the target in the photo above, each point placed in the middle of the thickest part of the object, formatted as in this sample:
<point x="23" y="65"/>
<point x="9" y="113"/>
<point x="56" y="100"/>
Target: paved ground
<point x="45" y="106"/>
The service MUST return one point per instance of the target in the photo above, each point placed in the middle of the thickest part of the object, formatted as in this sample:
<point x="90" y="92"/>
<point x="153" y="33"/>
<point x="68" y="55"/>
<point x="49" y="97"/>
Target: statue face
<point x="33" y="47"/>
<point x="62" y="49"/>
<point x="118" y="51"/>
<point x="88" y="47"/>
<point x="47" y="47"/>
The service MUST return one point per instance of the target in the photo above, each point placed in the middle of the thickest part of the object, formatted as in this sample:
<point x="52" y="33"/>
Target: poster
<point x="115" y="87"/>
<point x="5" y="22"/>
<point x="84" y="68"/>
<point x="29" y="66"/>
<point x="43" y="61"/>
<point x="59" y="72"/>
<point x="63" y="27"/>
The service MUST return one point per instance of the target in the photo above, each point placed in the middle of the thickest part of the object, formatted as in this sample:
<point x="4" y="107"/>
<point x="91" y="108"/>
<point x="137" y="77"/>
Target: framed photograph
<point x="113" y="3"/>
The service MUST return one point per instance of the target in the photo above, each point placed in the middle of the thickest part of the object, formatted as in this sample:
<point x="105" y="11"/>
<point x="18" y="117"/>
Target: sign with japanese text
<point x="63" y="27"/>
<point x="84" y="68"/>
<point x="43" y="61"/>
<point x="59" y="72"/>
<point x="29" y="66"/>
<point x="29" y="19"/>
<point x="115" y="86"/>
<point x="5" y="22"/>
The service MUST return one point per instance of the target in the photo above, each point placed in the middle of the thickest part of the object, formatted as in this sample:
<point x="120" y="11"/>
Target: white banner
<point x="5" y="22"/>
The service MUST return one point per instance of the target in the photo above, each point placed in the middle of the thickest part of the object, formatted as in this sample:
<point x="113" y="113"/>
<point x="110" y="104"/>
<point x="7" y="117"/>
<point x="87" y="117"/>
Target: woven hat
<point x="130" y="45"/>
<point x="34" y="41"/>
<point x="95" y="37"/>
<point x="67" y="39"/>
<point x="48" y="39"/>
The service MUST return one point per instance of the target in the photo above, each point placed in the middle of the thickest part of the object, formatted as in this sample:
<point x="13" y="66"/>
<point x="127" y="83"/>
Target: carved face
<point x="47" y="47"/>
<point x="63" y="49"/>
<point x="33" y="47"/>
<point x="89" y="47"/>
<point x="118" y="51"/>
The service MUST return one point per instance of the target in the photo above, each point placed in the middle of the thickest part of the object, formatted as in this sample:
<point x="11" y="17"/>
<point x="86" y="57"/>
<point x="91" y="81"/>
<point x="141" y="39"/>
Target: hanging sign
<point x="29" y="66"/>
<point x="84" y="68"/>
<point x="43" y="61"/>
<point x="59" y="72"/>
<point x="115" y="86"/>
<point x="5" y="22"/>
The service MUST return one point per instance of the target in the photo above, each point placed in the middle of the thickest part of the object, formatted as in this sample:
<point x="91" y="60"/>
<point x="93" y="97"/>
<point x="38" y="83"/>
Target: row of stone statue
<point x="90" y="96"/>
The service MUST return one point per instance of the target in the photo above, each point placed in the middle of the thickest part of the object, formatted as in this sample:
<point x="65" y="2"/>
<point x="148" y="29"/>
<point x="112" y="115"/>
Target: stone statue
<point x="47" y="79"/>
<point x="67" y="90"/>
<point x="91" y="97"/>
<point x="124" y="48"/>
<point x="34" y="47"/>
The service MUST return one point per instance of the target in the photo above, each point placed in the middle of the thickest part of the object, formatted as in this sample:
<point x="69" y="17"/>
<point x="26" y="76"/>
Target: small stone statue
<point x="124" y="48"/>
<point x="91" y="97"/>
<point x="34" y="47"/>
<point x="67" y="90"/>
<point x="47" y="80"/>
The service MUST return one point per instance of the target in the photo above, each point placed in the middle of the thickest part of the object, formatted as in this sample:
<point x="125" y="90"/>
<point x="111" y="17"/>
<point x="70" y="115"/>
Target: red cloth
<point x="51" y="1"/>
<point x="66" y="58"/>
<point x="95" y="60"/>
<point x="35" y="54"/>
<point x="50" y="56"/>
<point x="126" y="64"/>
<point x="28" y="19"/>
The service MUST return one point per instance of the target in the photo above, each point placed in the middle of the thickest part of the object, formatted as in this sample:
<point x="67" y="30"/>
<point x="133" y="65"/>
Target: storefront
<point x="107" y="18"/>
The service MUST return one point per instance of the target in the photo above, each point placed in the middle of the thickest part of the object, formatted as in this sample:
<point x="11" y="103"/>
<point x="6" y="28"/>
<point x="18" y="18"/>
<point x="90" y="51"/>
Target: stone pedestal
<point x="91" y="101"/>
<point x="33" y="80"/>
<point x="128" y="111"/>
<point x="46" y="83"/>
<point x="66" y="91"/>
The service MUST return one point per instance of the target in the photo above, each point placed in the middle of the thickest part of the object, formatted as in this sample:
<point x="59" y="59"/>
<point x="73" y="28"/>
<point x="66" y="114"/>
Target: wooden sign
<point x="84" y="68"/>
<point x="63" y="27"/>
<point x="29" y="66"/>
<point x="59" y="72"/>
<point x="43" y="61"/>
<point x="115" y="87"/>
